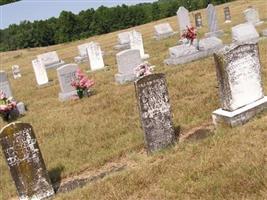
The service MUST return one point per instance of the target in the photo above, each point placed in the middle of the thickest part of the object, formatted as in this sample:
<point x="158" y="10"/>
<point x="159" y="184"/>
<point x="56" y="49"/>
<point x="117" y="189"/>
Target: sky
<point x="32" y="10"/>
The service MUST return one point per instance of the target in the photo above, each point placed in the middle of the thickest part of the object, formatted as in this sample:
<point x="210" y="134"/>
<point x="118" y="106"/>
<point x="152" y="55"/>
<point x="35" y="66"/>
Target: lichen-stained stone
<point x="155" y="112"/>
<point x="25" y="162"/>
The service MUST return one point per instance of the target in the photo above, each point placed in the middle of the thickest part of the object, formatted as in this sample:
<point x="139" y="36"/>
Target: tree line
<point x="69" y="27"/>
<point x="3" y="2"/>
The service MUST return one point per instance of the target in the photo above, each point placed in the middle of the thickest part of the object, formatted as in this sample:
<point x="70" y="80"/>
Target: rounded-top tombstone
<point x="25" y="161"/>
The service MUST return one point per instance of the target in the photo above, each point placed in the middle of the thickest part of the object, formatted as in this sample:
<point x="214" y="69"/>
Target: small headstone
<point x="66" y="74"/>
<point x="50" y="60"/>
<point x="95" y="56"/>
<point x="4" y="84"/>
<point x="25" y="161"/>
<point x="245" y="33"/>
<point x="227" y="15"/>
<point x="155" y="112"/>
<point x="198" y="20"/>
<point x="163" y="30"/>
<point x="183" y="19"/>
<point x="252" y="16"/>
<point x="16" y="71"/>
<point x="240" y="85"/>
<point x="82" y="53"/>
<point x="123" y="41"/>
<point x="21" y="108"/>
<point x="212" y="22"/>
<point x="40" y="72"/>
<point x="136" y="42"/>
<point x="127" y="61"/>
<point x="264" y="32"/>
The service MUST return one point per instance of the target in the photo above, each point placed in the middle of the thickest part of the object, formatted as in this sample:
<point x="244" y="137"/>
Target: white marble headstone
<point x="245" y="33"/>
<point x="95" y="56"/>
<point x="128" y="60"/>
<point x="164" y="28"/>
<point x="183" y="19"/>
<point x="252" y="16"/>
<point x="136" y="42"/>
<point x="49" y="58"/>
<point x="212" y="18"/>
<point x="66" y="74"/>
<point x="40" y="72"/>
<point x="16" y="71"/>
<point x="123" y="38"/>
<point x="4" y="84"/>
<point x="82" y="49"/>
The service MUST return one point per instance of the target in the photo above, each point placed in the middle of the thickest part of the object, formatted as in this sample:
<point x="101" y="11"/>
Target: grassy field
<point x="87" y="135"/>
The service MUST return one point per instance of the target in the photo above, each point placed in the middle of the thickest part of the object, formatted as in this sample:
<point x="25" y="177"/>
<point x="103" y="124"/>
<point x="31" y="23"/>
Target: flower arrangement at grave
<point x="190" y="34"/>
<point x="8" y="107"/>
<point x="143" y="69"/>
<point x="82" y="84"/>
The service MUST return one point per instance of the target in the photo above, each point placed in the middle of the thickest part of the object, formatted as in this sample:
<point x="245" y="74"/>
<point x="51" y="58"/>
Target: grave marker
<point x="95" y="56"/>
<point x="155" y="112"/>
<point x="252" y="16"/>
<point x="198" y="20"/>
<point x="212" y="22"/>
<point x="163" y="30"/>
<point x="50" y="60"/>
<point x="183" y="19"/>
<point x="227" y="15"/>
<point x="25" y="161"/>
<point x="4" y="84"/>
<point x="16" y="71"/>
<point x="136" y="42"/>
<point x="40" y="72"/>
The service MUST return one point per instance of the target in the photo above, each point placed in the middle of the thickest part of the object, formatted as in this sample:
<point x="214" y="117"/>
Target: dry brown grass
<point x="75" y="136"/>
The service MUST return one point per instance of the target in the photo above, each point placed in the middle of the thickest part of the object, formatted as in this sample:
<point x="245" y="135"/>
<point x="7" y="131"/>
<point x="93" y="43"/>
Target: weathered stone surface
<point x="163" y="30"/>
<point x="95" y="56"/>
<point x="244" y="33"/>
<point x="25" y="162"/>
<point x="264" y="32"/>
<point x="65" y="75"/>
<point x="82" y="57"/>
<point x="50" y="60"/>
<point x="123" y="41"/>
<point x="183" y="19"/>
<point x="227" y="15"/>
<point x="198" y="20"/>
<point x="155" y="112"/>
<point x="212" y="22"/>
<point x="127" y="61"/>
<point x="4" y="84"/>
<point x="239" y="75"/>
<point x="16" y="71"/>
<point x="183" y="53"/>
<point x="239" y="116"/>
<point x="40" y="72"/>
<point x="136" y="42"/>
<point x="252" y="16"/>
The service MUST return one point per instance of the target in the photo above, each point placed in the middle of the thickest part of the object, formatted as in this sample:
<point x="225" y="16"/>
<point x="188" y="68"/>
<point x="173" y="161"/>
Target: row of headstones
<point x="241" y="94"/>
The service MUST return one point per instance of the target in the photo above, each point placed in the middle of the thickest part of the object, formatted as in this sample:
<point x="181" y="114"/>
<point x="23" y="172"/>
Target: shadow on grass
<point x="55" y="176"/>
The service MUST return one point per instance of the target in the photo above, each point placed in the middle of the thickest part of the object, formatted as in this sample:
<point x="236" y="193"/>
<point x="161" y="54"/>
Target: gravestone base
<point x="227" y="21"/>
<point x="45" y="84"/>
<point x="124" y="78"/>
<point x="164" y="36"/>
<point x="218" y="33"/>
<point x="122" y="46"/>
<point x="94" y="70"/>
<point x="21" y="108"/>
<point x="55" y="65"/>
<point x="66" y="96"/>
<point x="258" y="23"/>
<point x="264" y="32"/>
<point x="80" y="59"/>
<point x="145" y="56"/>
<point x="192" y="57"/>
<point x="239" y="116"/>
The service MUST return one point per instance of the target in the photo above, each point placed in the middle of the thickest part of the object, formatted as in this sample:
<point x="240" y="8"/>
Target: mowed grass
<point x="85" y="135"/>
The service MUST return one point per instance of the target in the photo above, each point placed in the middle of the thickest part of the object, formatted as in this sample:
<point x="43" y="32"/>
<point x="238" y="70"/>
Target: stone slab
<point x="122" y="46"/>
<point x="124" y="78"/>
<point x="80" y="59"/>
<point x="239" y="116"/>
<point x="55" y="65"/>
<point x="64" y="96"/>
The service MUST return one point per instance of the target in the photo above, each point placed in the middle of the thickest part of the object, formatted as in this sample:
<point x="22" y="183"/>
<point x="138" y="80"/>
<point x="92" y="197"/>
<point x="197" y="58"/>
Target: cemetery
<point x="192" y="126"/>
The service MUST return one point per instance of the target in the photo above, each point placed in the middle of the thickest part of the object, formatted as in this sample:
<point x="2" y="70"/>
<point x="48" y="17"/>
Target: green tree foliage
<point x="68" y="26"/>
<point x="3" y="2"/>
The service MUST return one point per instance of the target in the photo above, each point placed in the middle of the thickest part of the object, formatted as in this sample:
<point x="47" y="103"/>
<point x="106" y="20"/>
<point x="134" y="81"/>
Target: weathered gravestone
<point x="66" y="74"/>
<point x="245" y="33"/>
<point x="123" y="41"/>
<point x="136" y="42"/>
<point x="163" y="30"/>
<point x="4" y="84"/>
<point x="16" y="71"/>
<point x="155" y="112"/>
<point x="183" y="19"/>
<point x="82" y="53"/>
<point x="25" y="162"/>
<point x="198" y="20"/>
<point x="264" y="32"/>
<point x="127" y="61"/>
<point x="212" y="22"/>
<point x="227" y="15"/>
<point x="40" y="73"/>
<point x="252" y="16"/>
<point x="240" y="86"/>
<point x="95" y="56"/>
<point x="50" y="60"/>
